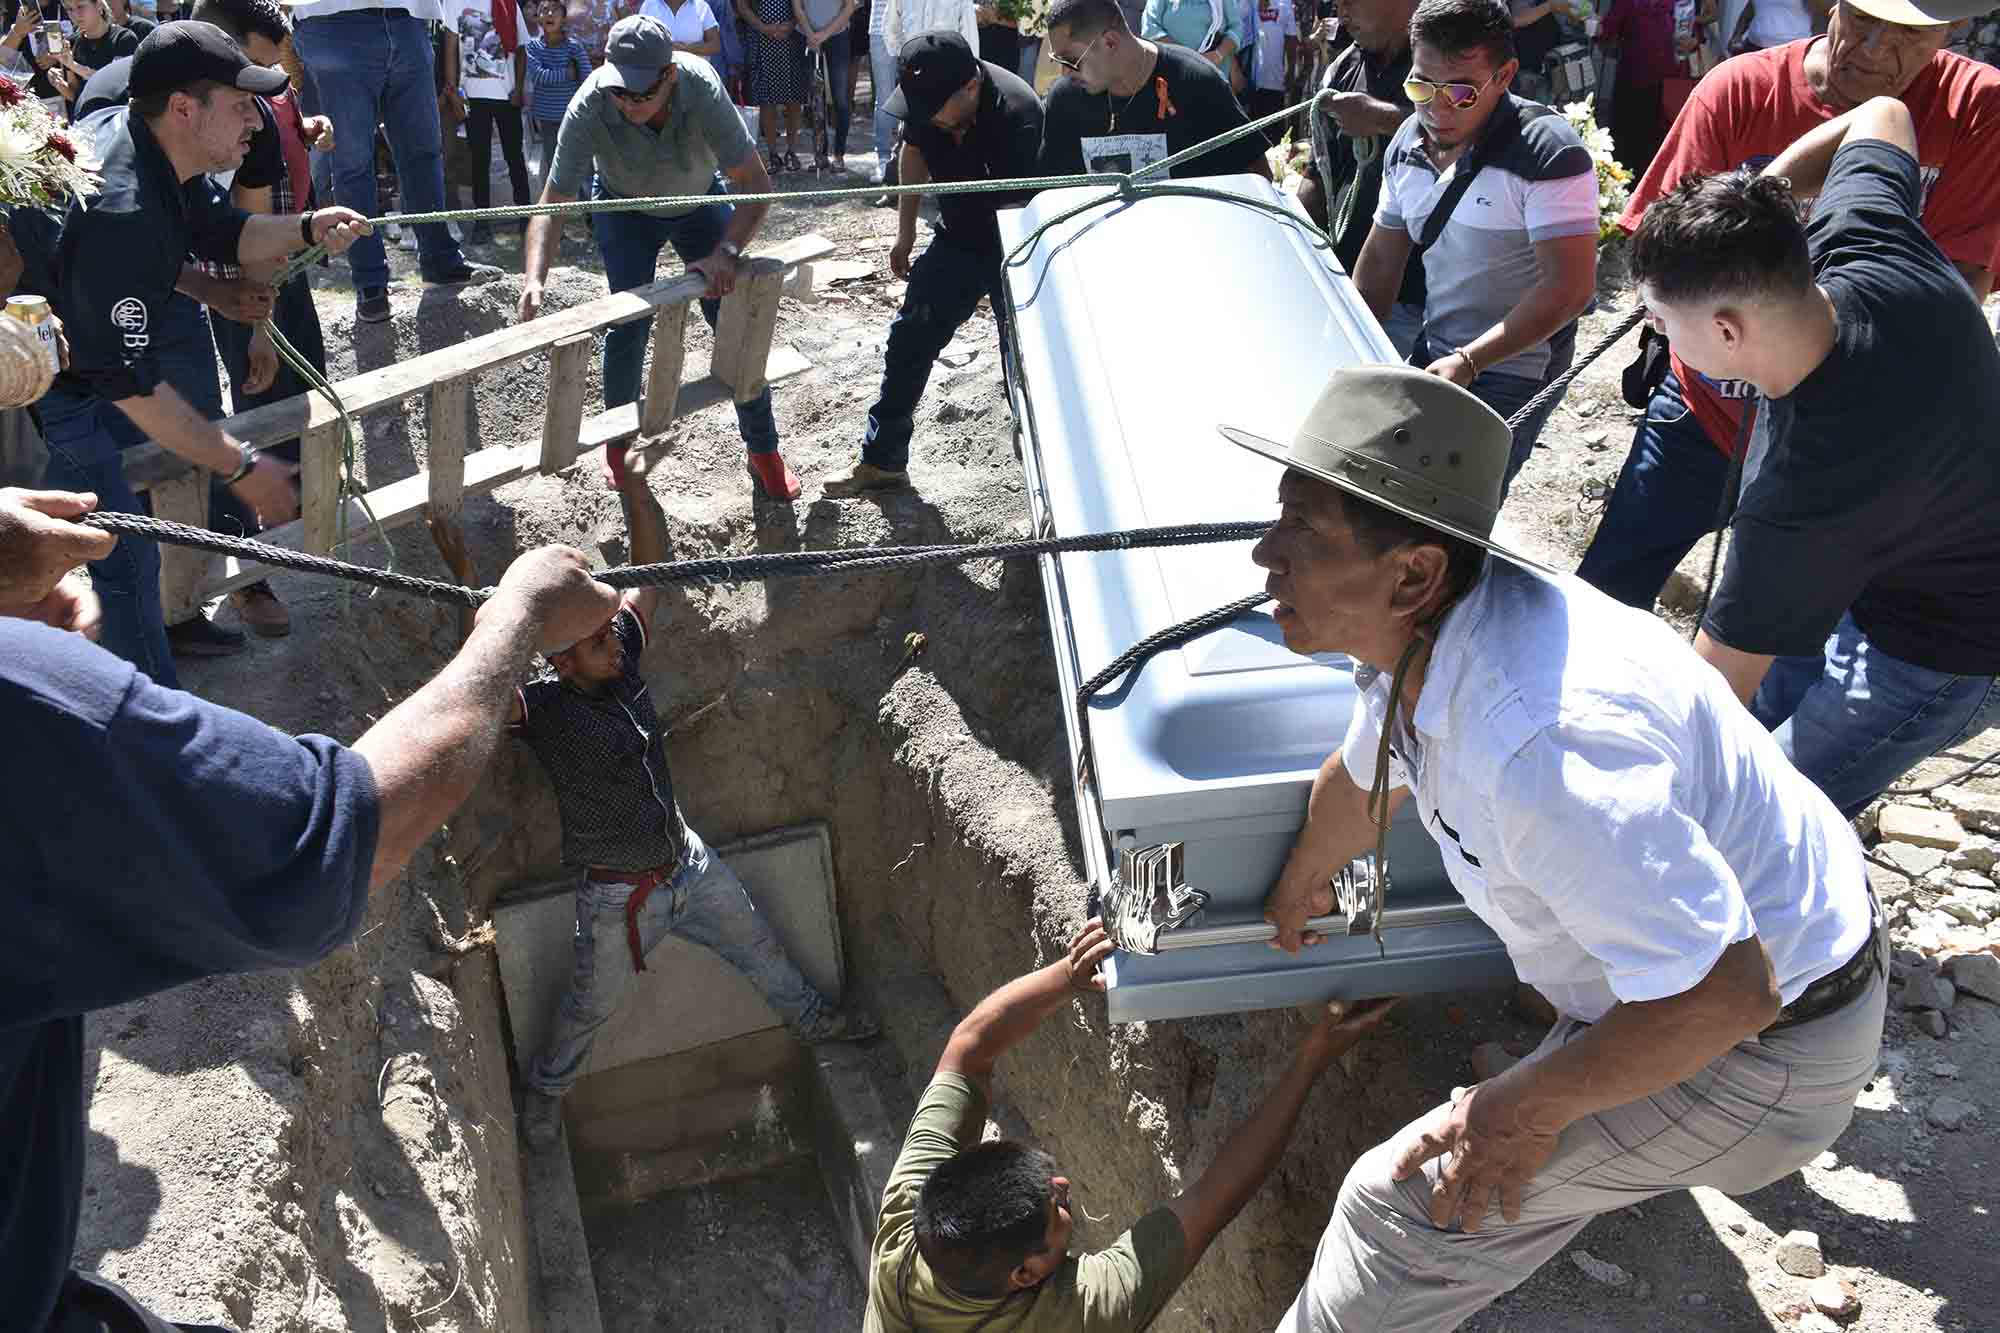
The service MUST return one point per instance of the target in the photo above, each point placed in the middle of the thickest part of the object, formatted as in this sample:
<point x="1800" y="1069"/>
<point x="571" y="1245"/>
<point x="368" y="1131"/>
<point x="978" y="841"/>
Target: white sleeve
<point x="1589" y="820"/>
<point x="968" y="24"/>
<point x="1364" y="740"/>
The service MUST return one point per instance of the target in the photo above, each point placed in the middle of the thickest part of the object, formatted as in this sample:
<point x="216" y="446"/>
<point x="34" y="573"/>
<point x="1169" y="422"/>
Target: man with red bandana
<point x="1742" y="115"/>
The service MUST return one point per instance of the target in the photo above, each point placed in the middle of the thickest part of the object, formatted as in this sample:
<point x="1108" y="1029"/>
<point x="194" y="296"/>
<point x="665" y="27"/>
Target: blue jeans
<point x="1854" y="719"/>
<point x="1665" y="501"/>
<point x="370" y="67"/>
<point x="704" y="903"/>
<point x="1508" y="394"/>
<point x="882" y="79"/>
<point x="85" y="455"/>
<point x="839" y="56"/>
<point x="946" y="283"/>
<point x="630" y="244"/>
<point x="298" y="319"/>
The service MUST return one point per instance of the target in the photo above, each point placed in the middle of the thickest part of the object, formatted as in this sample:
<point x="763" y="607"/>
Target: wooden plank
<point x="319" y="486"/>
<point x="274" y="423"/>
<point x="663" y="381"/>
<point x="183" y="570"/>
<point x="562" y="422"/>
<point x="450" y="436"/>
<point x="402" y="502"/>
<point x="743" y="334"/>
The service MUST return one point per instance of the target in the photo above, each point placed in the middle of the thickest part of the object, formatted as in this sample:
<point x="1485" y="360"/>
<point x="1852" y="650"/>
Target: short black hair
<point x="154" y="105"/>
<point x="1377" y="530"/>
<point x="982" y="1213"/>
<point x="1460" y="27"/>
<point x="242" y="19"/>
<point x="1087" y="18"/>
<point x="1732" y="234"/>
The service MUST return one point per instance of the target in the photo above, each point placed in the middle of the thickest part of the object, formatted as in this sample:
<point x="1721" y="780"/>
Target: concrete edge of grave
<point x="568" y="1288"/>
<point x="855" y="1138"/>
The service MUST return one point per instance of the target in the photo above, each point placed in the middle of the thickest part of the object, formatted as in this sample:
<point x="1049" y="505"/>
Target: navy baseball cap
<point x="179" y="55"/>
<point x="638" y="50"/>
<point x="929" y="69"/>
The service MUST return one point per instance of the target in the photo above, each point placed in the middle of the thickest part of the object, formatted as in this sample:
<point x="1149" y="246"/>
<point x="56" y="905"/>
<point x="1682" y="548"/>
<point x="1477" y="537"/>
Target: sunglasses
<point x="1457" y="96"/>
<point x="646" y="95"/>
<point x="1076" y="65"/>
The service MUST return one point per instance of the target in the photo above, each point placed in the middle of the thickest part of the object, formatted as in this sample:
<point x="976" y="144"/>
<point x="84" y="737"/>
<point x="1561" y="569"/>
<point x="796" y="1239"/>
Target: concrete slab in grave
<point x="687" y="997"/>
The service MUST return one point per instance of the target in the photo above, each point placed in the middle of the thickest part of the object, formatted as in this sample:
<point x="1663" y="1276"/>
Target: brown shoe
<point x="865" y="477"/>
<point x="261" y="611"/>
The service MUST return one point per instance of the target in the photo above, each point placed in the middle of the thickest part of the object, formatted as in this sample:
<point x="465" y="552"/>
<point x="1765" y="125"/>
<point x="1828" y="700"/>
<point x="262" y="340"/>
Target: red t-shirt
<point x="1751" y="108"/>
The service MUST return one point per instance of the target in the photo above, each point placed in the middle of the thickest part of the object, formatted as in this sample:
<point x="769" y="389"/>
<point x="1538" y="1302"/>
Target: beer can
<point x="35" y="313"/>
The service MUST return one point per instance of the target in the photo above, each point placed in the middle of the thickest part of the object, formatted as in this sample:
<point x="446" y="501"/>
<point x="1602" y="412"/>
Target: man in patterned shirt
<point x="646" y="874"/>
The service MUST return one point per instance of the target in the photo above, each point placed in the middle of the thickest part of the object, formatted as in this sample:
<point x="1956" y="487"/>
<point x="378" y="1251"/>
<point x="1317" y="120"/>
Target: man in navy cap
<point x="963" y="120"/>
<point x="191" y="112"/>
<point x="652" y="122"/>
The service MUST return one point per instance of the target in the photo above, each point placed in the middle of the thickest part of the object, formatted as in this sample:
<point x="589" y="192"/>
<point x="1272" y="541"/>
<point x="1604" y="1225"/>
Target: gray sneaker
<point x="541" y="1120"/>
<point x="850" y="1022"/>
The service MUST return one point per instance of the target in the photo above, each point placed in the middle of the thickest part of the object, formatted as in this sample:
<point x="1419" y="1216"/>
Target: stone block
<point x="1799" y="1254"/>
<point x="1977" y="974"/>
<point x="1927" y="990"/>
<point x="1977" y="810"/>
<point x="1978" y="853"/>
<point x="857" y="1138"/>
<point x="687" y="997"/>
<point x="1921" y="826"/>
<point x="1912" y="860"/>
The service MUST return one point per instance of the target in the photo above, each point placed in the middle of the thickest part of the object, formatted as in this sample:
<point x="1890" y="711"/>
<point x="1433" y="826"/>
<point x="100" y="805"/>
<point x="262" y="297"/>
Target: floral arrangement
<point x="1030" y="16"/>
<point x="1614" y="182"/>
<point x="40" y="164"/>
<point x="1288" y="161"/>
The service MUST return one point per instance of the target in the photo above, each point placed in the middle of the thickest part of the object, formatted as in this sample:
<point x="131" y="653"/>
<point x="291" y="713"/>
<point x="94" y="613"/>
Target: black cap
<point x="179" y="55"/>
<point x="929" y="69"/>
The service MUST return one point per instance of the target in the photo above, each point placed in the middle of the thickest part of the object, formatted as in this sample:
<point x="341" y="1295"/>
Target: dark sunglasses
<point x="627" y="95"/>
<point x="1457" y="96"/>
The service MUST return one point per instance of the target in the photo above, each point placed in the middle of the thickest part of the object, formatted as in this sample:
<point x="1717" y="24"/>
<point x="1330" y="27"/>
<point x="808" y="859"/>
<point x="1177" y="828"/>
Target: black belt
<point x="1842" y="984"/>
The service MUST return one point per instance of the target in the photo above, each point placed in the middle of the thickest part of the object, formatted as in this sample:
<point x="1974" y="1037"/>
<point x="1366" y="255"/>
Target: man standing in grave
<point x="645" y="874"/>
<point x="963" y="120"/>
<point x="1125" y="103"/>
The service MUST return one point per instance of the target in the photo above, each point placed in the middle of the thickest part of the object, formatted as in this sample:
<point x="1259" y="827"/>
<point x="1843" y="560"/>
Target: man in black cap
<point x="192" y="111"/>
<point x="963" y="120"/>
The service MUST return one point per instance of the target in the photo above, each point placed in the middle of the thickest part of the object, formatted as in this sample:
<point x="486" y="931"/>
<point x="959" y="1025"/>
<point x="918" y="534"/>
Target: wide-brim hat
<point x="1409" y="441"/>
<point x="1923" y="13"/>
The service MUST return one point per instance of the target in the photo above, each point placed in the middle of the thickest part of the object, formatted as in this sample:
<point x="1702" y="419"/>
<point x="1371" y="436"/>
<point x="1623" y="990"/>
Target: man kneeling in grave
<point x="974" y="1236"/>
<point x="589" y="718"/>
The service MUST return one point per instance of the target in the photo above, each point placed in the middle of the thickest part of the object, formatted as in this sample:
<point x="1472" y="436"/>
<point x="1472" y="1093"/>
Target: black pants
<point x="298" y="320"/>
<point x="1635" y="125"/>
<point x="481" y="115"/>
<point x="90" y="1304"/>
<point x="1264" y="102"/>
<point x="946" y="283"/>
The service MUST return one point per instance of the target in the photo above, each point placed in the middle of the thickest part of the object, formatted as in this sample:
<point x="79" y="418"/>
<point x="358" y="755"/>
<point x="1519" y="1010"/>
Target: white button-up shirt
<point x="907" y="18"/>
<point x="1605" y="804"/>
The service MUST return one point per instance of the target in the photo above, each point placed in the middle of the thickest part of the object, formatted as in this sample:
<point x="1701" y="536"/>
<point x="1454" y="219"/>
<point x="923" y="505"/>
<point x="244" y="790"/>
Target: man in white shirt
<point x="1696" y="910"/>
<point x="690" y="23"/>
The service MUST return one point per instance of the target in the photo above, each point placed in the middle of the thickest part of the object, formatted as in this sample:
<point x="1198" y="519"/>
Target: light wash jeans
<point x="882" y="78"/>
<point x="704" y="903"/>
<point x="370" y="67"/>
<point x="1855" y="719"/>
<point x="1508" y="394"/>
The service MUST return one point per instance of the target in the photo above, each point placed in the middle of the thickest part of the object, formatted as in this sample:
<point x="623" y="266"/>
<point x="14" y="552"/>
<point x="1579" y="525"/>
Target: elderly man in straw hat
<point x="1696" y="911"/>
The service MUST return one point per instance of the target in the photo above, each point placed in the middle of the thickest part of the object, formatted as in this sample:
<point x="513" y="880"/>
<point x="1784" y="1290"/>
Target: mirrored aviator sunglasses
<point x="1457" y="96"/>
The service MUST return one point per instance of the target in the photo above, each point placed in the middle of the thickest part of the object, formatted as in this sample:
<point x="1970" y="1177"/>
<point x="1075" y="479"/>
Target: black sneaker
<point x="371" y="305"/>
<point x="202" y="637"/>
<point x="466" y="271"/>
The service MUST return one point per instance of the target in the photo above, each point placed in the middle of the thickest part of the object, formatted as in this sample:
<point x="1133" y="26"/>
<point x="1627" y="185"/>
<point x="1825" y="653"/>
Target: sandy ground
<point x="335" y="1150"/>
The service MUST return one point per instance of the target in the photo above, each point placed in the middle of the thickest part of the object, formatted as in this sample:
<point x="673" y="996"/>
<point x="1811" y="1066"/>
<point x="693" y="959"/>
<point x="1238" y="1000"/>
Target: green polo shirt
<point x="704" y="133"/>
<point x="1121" y="1288"/>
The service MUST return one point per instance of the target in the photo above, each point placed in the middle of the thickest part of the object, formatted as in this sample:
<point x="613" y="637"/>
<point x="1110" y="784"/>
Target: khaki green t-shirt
<point x="1123" y="1287"/>
<point x="704" y="132"/>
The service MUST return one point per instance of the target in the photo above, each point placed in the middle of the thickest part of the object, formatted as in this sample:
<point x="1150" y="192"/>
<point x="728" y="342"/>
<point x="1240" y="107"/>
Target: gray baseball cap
<point x="636" y="53"/>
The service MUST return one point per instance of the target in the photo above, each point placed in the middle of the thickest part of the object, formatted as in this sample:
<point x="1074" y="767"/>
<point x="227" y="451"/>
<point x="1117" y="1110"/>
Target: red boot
<point x="774" y="479"/>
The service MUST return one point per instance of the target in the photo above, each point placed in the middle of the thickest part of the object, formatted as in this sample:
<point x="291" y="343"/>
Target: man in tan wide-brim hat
<point x="1695" y="910"/>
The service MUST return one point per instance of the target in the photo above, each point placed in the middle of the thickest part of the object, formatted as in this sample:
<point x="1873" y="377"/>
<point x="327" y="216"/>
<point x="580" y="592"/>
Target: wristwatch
<point x="732" y="249"/>
<point x="248" y="460"/>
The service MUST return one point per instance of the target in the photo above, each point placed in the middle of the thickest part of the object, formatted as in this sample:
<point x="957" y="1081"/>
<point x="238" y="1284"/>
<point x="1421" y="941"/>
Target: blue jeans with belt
<point x="85" y="454"/>
<point x="946" y="283"/>
<point x="704" y="903"/>
<point x="1854" y="719"/>
<point x="373" y="67"/>
<point x="1665" y="501"/>
<point x="1508" y="394"/>
<point x="630" y="244"/>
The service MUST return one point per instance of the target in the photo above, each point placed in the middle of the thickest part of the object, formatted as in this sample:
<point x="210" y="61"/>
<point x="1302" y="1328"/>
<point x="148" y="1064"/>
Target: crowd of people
<point x="1656" y="831"/>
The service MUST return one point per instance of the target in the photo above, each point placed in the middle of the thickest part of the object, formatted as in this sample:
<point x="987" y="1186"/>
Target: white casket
<point x="1138" y="329"/>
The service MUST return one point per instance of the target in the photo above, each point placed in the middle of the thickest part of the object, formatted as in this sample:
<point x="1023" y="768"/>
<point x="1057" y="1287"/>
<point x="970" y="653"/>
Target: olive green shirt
<point x="1123" y="1287"/>
<point x="704" y="132"/>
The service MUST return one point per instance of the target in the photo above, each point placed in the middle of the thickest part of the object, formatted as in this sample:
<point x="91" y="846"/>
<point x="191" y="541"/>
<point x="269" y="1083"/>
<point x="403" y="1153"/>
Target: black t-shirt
<point x="94" y="53"/>
<point x="1001" y="145"/>
<point x="140" y="26"/>
<point x="1352" y="188"/>
<point x="1874" y="485"/>
<point x="1186" y="99"/>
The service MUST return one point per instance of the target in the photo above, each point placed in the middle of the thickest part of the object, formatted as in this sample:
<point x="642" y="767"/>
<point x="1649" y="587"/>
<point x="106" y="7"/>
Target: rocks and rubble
<point x="1976" y="974"/>
<point x="1599" y="1270"/>
<point x="1920" y="826"/>
<point x="1927" y="989"/>
<point x="1950" y="1112"/>
<point x="1799" y="1254"/>
<point x="1834" y="1296"/>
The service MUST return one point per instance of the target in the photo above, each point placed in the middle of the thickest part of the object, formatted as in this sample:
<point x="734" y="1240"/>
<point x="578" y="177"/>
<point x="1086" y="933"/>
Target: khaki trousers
<point x="1755" y="1115"/>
